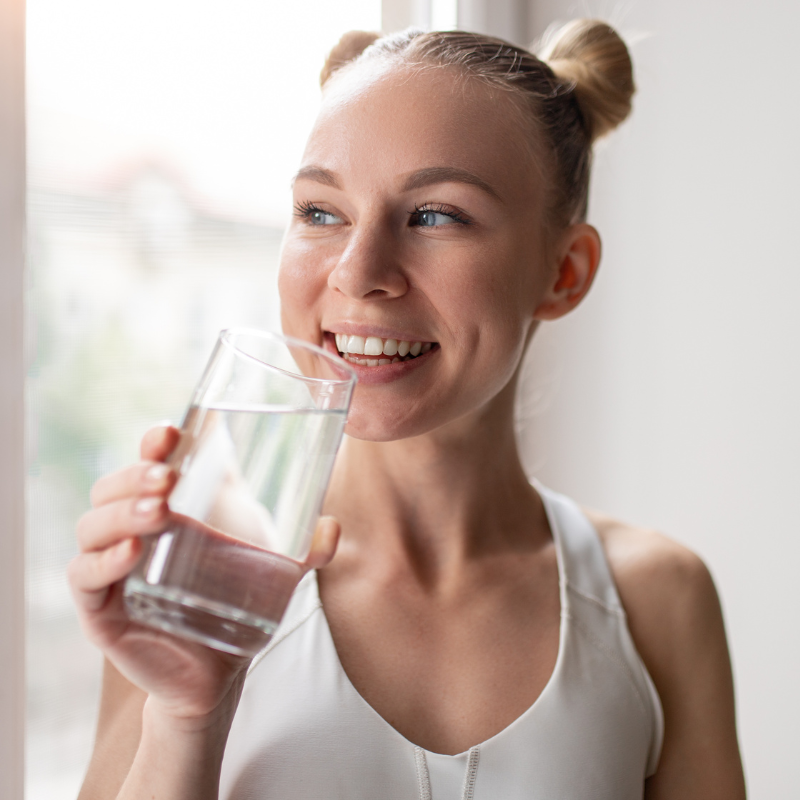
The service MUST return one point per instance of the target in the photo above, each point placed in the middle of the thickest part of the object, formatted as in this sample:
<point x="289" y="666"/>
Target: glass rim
<point x="226" y="335"/>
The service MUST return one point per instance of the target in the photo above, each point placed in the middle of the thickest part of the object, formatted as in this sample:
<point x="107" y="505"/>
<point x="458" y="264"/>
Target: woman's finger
<point x="159" y="442"/>
<point x="92" y="574"/>
<point x="323" y="545"/>
<point x="104" y="526"/>
<point x="146" y="478"/>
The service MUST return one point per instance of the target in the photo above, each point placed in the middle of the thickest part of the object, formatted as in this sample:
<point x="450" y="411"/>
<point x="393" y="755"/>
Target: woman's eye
<point x="429" y="219"/>
<point x="435" y="217"/>
<point x="318" y="217"/>
<point x="315" y="216"/>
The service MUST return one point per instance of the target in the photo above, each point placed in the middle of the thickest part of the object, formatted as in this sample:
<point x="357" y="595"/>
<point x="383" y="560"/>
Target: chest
<point x="304" y="731"/>
<point x="449" y="672"/>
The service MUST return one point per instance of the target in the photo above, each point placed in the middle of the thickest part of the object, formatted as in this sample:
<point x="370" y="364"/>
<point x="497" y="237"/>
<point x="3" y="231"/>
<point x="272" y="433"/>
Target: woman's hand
<point x="185" y="681"/>
<point x="166" y="737"/>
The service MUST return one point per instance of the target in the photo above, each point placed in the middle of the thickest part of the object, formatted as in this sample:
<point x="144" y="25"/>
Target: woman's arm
<point x="141" y="752"/>
<point x="675" y="619"/>
<point x="177" y="758"/>
<point x="119" y="730"/>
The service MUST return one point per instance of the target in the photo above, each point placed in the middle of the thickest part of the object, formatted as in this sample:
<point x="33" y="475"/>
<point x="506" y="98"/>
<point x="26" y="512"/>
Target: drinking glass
<point x="257" y="446"/>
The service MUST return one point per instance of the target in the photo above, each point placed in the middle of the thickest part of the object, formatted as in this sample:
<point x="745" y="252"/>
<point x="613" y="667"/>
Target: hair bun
<point x="591" y="55"/>
<point x="348" y="48"/>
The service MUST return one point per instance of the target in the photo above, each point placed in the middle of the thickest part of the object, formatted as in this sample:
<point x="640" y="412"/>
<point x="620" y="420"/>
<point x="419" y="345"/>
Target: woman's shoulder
<point x="675" y="618"/>
<point x="666" y="589"/>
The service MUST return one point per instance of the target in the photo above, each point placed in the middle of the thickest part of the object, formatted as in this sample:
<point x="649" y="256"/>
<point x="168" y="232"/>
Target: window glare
<point x="225" y="91"/>
<point x="444" y="15"/>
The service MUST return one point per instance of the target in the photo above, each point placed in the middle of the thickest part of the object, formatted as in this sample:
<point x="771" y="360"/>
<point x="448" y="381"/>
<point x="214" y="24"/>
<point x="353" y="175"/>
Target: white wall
<point x="672" y="397"/>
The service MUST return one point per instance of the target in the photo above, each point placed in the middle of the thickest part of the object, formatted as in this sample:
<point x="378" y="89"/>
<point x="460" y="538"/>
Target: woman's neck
<point x="438" y="502"/>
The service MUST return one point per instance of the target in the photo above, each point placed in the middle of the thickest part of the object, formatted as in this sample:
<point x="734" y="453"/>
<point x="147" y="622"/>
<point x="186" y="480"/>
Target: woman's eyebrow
<point x="318" y="174"/>
<point x="432" y="175"/>
<point x="423" y="177"/>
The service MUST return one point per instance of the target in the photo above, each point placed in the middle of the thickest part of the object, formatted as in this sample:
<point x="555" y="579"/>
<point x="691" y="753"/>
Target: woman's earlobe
<point x="578" y="259"/>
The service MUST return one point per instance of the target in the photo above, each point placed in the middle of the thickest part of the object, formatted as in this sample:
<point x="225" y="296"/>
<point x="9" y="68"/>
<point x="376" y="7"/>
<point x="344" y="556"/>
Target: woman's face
<point x="418" y="219"/>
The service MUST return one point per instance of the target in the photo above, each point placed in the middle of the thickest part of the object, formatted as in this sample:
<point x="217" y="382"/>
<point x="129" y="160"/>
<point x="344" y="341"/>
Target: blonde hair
<point x="578" y="89"/>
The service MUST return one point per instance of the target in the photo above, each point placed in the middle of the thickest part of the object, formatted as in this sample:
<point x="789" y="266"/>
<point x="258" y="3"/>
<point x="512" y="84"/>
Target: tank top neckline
<point x="556" y="533"/>
<point x="596" y="729"/>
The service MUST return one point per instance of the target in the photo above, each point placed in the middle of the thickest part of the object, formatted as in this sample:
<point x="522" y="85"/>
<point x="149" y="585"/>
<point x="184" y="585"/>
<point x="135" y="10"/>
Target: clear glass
<point x="257" y="447"/>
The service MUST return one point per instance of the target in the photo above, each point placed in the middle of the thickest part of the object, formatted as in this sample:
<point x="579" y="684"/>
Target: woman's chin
<point x="384" y="425"/>
<point x="377" y="431"/>
<point x="390" y="423"/>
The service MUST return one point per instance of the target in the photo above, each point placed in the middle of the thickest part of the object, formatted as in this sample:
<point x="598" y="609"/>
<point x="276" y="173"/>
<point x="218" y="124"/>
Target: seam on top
<point x="617" y="611"/>
<point x="611" y="656"/>
<point x="423" y="776"/>
<point x="275" y="641"/>
<point x="471" y="773"/>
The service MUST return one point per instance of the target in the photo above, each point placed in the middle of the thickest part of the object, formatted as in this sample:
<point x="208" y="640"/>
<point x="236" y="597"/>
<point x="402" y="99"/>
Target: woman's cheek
<point x="301" y="280"/>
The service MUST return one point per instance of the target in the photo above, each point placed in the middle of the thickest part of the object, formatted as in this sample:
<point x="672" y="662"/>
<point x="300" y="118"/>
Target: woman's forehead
<point x="401" y="118"/>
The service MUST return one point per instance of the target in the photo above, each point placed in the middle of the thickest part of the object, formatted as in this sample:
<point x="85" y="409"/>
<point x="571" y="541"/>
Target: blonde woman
<point x="473" y="635"/>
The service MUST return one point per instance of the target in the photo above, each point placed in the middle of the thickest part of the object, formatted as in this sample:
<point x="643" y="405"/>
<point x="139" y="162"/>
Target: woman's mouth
<point x="373" y="351"/>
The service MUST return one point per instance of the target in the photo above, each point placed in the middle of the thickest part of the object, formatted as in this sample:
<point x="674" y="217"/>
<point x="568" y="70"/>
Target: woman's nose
<point x="369" y="268"/>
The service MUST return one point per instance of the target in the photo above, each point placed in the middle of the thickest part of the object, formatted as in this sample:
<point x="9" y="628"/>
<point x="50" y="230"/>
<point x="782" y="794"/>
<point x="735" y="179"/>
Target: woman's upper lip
<point x="382" y="332"/>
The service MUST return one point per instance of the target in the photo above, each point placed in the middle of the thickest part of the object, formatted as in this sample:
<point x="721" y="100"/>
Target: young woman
<point x="474" y="636"/>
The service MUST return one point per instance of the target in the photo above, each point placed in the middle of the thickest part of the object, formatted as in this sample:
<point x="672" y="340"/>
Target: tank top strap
<point x="597" y="612"/>
<point x="304" y="603"/>
<point x="584" y="567"/>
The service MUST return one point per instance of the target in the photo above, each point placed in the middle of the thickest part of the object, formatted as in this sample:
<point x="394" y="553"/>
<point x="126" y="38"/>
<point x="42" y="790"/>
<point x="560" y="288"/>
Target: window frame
<point x="12" y="399"/>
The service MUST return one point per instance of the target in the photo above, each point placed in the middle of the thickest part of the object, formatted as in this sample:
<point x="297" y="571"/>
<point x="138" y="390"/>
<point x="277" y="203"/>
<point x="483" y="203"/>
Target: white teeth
<point x="373" y="346"/>
<point x="352" y="346"/>
<point x="355" y="344"/>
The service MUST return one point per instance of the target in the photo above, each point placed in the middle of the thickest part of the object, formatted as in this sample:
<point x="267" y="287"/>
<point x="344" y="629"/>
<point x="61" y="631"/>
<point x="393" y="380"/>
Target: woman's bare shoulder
<point x="675" y="618"/>
<point x="655" y="575"/>
<point x="666" y="590"/>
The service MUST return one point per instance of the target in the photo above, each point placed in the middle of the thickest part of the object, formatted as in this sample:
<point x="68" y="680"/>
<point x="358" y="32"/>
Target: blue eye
<point x="430" y="219"/>
<point x="436" y="216"/>
<point x="323" y="218"/>
<point x="315" y="216"/>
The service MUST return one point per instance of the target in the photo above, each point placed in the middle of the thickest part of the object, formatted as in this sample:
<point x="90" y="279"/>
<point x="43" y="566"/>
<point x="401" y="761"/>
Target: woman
<point x="473" y="636"/>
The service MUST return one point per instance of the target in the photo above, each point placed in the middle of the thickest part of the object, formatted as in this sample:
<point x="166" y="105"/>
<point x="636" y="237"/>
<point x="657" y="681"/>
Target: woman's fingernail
<point x="147" y="505"/>
<point x="157" y="473"/>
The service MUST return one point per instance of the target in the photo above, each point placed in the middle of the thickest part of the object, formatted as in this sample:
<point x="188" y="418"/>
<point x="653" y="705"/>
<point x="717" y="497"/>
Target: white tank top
<point x="302" y="731"/>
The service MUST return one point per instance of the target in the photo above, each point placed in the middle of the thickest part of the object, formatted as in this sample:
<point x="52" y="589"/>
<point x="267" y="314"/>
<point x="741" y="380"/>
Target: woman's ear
<point x="577" y="259"/>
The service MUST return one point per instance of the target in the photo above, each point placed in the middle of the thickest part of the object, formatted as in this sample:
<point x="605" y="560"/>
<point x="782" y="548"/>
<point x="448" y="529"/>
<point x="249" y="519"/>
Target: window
<point x="162" y="137"/>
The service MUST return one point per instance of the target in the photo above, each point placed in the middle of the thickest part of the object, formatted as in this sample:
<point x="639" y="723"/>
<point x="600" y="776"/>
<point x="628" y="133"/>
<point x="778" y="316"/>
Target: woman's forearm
<point x="177" y="759"/>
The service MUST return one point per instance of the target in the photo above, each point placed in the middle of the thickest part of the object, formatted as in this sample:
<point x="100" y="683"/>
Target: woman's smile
<point x="377" y="351"/>
<point x="379" y="359"/>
